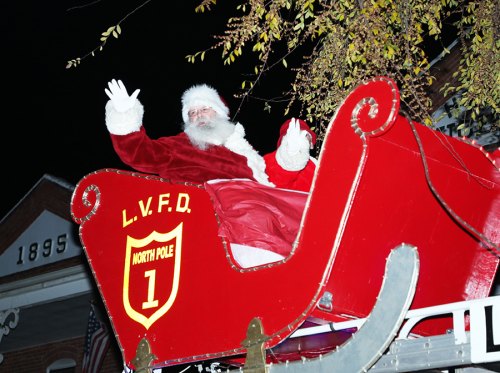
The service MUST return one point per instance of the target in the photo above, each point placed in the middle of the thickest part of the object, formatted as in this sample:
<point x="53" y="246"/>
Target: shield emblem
<point x="151" y="275"/>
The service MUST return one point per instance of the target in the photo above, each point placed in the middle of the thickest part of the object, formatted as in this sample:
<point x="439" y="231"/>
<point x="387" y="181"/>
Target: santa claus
<point x="210" y="147"/>
<point x="213" y="151"/>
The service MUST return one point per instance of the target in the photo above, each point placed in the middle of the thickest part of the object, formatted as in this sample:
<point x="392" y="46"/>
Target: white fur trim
<point x="237" y="143"/>
<point x="203" y="95"/>
<point x="250" y="256"/>
<point x="293" y="152"/>
<point x="295" y="161"/>
<point x="126" y="122"/>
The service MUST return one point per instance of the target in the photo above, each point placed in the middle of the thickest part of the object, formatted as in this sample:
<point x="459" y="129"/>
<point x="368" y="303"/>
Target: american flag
<point x="96" y="343"/>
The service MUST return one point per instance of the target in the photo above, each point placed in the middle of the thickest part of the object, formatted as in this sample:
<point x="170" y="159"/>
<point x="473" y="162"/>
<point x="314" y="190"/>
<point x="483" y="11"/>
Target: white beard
<point x="212" y="132"/>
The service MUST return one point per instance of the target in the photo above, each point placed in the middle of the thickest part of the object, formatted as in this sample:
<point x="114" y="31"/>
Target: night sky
<point x="55" y="116"/>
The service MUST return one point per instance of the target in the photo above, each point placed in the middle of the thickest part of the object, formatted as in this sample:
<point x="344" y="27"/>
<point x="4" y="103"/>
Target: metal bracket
<point x="255" y="361"/>
<point x="143" y="357"/>
<point x="326" y="302"/>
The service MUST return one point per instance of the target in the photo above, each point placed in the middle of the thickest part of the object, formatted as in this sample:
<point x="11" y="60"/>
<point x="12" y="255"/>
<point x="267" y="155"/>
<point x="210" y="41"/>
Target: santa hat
<point x="203" y="95"/>
<point x="303" y="126"/>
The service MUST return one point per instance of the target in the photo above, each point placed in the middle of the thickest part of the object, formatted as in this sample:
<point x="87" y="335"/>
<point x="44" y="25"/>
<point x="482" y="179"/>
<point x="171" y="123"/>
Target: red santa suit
<point x="175" y="157"/>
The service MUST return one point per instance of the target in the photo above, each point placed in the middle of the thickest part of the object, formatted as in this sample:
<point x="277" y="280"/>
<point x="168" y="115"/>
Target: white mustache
<point x="205" y="132"/>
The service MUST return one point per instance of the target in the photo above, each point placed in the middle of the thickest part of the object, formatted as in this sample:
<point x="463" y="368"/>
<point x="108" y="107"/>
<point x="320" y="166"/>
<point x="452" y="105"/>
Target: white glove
<point x="293" y="152"/>
<point x="123" y="112"/>
<point x="119" y="97"/>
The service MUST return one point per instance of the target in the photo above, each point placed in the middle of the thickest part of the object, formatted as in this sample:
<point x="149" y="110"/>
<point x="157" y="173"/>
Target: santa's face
<point x="202" y="116"/>
<point x="206" y="127"/>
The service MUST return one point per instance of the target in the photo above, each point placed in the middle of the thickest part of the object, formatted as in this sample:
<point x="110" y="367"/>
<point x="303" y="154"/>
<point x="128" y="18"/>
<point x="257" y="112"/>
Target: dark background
<point x="53" y="117"/>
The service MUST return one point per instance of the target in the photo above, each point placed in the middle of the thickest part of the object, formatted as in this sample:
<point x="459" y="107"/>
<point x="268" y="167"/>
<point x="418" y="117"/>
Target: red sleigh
<point x="386" y="188"/>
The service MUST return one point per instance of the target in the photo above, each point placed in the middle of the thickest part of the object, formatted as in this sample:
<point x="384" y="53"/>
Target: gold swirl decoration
<point x="376" y="106"/>
<point x="90" y="200"/>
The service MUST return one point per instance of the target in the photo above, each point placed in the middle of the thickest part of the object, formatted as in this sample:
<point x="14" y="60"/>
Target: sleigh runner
<point x="386" y="190"/>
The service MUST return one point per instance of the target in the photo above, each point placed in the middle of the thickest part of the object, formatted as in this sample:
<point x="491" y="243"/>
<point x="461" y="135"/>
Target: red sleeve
<point x="175" y="158"/>
<point x="142" y="153"/>
<point x="297" y="180"/>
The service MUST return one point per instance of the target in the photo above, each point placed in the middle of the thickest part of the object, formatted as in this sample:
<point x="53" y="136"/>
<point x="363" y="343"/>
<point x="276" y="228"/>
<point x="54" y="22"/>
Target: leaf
<point x="284" y="63"/>
<point x="108" y="31"/>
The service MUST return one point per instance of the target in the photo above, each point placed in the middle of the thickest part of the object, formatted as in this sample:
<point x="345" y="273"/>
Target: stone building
<point x="46" y="287"/>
